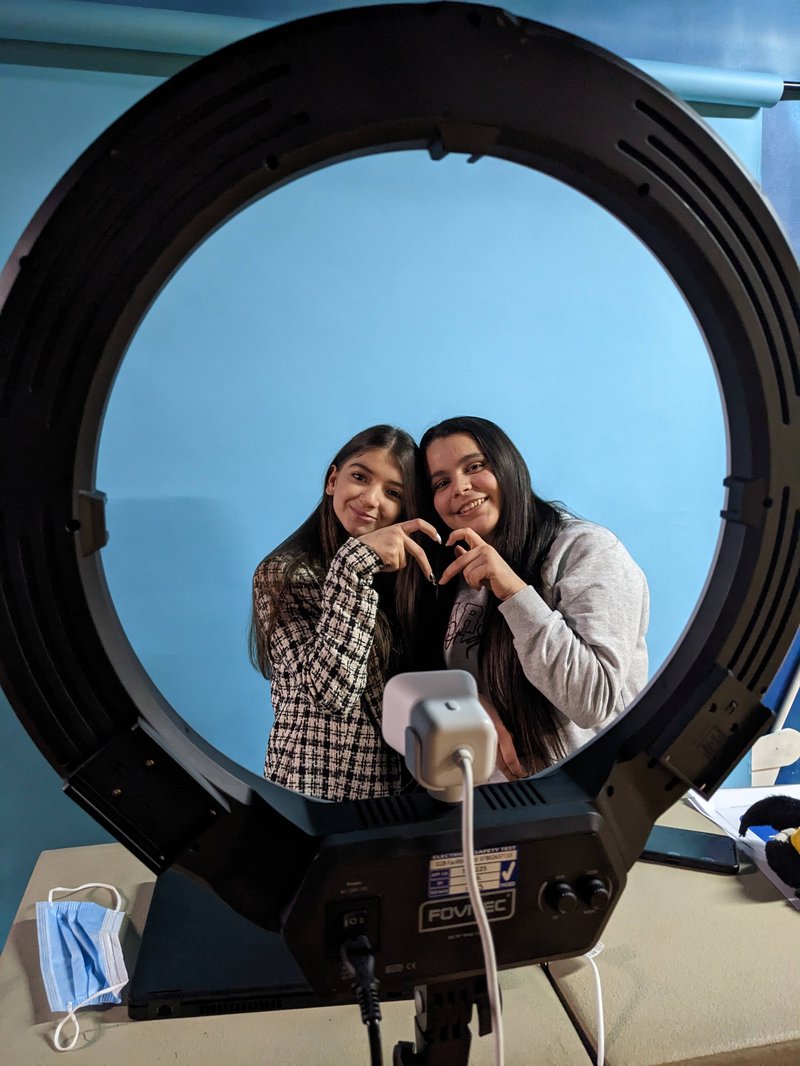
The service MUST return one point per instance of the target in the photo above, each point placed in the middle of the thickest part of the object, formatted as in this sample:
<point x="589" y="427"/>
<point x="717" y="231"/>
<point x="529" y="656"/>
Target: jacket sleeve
<point x="322" y="641"/>
<point x="578" y="653"/>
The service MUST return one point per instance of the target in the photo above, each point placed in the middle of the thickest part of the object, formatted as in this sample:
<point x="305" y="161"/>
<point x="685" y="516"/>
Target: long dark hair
<point x="313" y="545"/>
<point x="524" y="533"/>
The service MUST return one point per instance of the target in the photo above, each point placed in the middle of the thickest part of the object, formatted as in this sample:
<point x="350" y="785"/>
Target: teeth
<point x="471" y="506"/>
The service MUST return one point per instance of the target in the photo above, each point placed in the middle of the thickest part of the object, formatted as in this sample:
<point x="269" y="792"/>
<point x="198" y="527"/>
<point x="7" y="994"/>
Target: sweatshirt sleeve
<point x="322" y="641"/>
<point x="579" y="652"/>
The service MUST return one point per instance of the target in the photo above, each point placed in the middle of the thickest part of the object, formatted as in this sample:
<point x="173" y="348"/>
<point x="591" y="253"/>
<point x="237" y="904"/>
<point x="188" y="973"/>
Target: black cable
<point x="358" y="964"/>
<point x="375" y="1050"/>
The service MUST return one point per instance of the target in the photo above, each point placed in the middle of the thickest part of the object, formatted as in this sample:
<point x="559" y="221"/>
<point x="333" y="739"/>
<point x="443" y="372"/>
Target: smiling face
<point x="367" y="491"/>
<point x="465" y="491"/>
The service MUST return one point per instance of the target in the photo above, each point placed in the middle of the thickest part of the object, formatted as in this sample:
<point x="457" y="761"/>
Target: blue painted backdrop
<point x="394" y="290"/>
<point x="385" y="289"/>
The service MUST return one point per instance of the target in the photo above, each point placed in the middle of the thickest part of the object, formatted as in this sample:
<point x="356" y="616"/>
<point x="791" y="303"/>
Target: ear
<point x="330" y="484"/>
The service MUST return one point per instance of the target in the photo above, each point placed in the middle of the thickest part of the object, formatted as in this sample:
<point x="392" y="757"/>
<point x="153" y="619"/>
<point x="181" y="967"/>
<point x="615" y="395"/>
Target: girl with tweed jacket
<point x="331" y="615"/>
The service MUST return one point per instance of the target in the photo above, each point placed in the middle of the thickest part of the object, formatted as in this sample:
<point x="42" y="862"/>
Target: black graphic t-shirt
<point x="463" y="634"/>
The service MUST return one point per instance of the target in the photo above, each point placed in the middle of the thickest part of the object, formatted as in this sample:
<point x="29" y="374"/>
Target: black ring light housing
<point x="445" y="78"/>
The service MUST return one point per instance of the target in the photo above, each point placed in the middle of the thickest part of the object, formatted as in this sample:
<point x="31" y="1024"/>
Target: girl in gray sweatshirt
<point x="548" y="612"/>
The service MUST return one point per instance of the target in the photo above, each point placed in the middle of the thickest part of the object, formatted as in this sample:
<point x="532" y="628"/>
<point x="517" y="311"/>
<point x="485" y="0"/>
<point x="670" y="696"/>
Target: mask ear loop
<point x="71" y="1015"/>
<point x="91" y="884"/>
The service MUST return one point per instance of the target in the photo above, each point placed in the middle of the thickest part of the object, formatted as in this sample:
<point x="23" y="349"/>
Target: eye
<point x="474" y="467"/>
<point x="357" y="476"/>
<point x="395" y="494"/>
<point x="440" y="484"/>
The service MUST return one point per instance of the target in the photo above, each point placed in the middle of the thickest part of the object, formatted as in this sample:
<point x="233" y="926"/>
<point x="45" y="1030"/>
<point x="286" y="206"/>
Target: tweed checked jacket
<point x="326" y="740"/>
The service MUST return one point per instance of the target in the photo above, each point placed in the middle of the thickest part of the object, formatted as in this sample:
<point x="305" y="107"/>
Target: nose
<point x="462" y="484"/>
<point x="370" y="495"/>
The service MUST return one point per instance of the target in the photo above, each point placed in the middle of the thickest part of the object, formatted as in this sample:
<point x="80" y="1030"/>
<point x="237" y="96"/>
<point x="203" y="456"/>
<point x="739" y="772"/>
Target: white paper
<point x="725" y="809"/>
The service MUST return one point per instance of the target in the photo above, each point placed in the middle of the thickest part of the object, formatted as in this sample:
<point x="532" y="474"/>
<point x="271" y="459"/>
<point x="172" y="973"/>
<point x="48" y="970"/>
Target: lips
<point x="361" y="516"/>
<point x="473" y="505"/>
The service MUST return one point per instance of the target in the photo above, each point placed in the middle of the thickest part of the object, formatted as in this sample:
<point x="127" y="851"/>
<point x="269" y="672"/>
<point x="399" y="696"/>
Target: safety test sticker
<point x="496" y="869"/>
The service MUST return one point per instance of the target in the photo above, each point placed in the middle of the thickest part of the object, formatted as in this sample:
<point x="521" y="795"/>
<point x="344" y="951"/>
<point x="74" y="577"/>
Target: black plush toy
<point x="782" y="850"/>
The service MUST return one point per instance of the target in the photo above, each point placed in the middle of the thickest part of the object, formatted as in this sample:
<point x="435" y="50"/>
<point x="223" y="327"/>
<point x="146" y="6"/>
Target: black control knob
<point x="561" y="897"/>
<point x="594" y="892"/>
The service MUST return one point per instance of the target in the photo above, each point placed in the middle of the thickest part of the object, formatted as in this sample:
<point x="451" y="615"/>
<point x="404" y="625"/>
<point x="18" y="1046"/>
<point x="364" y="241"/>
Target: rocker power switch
<point x="345" y="920"/>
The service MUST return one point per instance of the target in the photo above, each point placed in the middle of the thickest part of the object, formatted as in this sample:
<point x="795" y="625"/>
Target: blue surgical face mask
<point x="80" y="955"/>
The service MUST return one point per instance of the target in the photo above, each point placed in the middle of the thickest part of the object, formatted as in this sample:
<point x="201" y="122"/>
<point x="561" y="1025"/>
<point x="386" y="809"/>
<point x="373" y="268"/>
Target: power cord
<point x="590" y="956"/>
<point x="358" y="965"/>
<point x="463" y="756"/>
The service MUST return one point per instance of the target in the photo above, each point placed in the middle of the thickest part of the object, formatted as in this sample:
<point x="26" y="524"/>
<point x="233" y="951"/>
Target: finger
<point x="455" y="568"/>
<point x="476" y="573"/>
<point x="506" y="749"/>
<point x="507" y="765"/>
<point x="460" y="551"/>
<point x="510" y="757"/>
<point x="509" y="754"/>
<point x="413" y="549"/>
<point x="469" y="575"/>
<point x="515" y="766"/>
<point x="501" y="764"/>
<point x="419" y="525"/>
<point x="465" y="534"/>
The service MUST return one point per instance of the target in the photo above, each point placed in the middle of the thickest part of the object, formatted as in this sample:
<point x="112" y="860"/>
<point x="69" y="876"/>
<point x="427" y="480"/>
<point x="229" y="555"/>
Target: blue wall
<point x="385" y="289"/>
<point x="397" y="290"/>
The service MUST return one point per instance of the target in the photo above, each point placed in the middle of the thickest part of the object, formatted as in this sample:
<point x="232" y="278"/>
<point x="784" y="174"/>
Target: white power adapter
<point x="427" y="717"/>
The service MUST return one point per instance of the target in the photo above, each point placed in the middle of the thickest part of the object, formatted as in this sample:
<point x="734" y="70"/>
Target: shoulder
<point x="274" y="572"/>
<point x="579" y="535"/>
<point x="287" y="574"/>
<point x="585" y="544"/>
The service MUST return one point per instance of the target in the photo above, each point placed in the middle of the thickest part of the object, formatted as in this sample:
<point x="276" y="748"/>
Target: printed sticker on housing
<point x="496" y="869"/>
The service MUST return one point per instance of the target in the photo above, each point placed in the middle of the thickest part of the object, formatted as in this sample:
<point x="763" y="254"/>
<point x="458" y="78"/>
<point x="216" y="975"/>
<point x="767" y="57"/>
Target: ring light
<point x="445" y="78"/>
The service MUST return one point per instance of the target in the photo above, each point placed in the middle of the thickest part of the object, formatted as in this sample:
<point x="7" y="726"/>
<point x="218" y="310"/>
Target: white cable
<point x="601" y="1032"/>
<point x="464" y="759"/>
